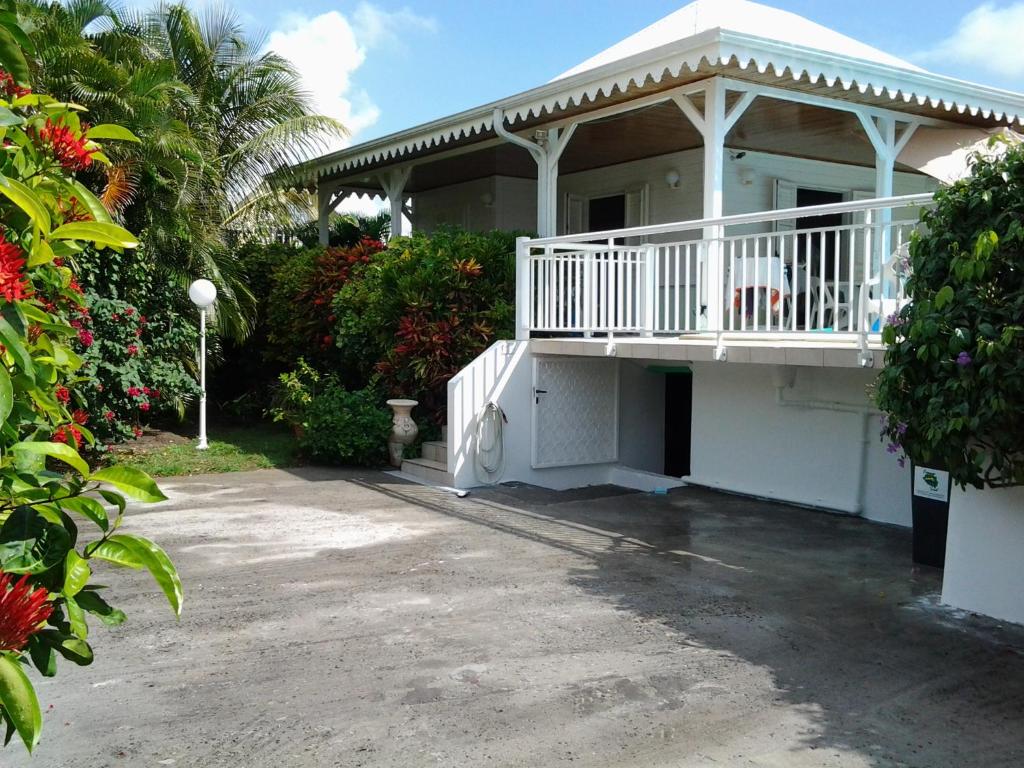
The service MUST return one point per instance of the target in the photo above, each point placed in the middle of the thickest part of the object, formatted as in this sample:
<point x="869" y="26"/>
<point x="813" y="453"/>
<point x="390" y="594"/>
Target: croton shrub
<point x="953" y="385"/>
<point x="423" y="308"/>
<point x="59" y="519"/>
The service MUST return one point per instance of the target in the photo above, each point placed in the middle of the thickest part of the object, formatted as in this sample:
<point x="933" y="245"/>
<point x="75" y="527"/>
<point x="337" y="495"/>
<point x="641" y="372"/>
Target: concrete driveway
<point x="347" y="619"/>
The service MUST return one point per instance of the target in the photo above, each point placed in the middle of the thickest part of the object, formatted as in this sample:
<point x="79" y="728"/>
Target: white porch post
<point x="327" y="198"/>
<point x="714" y="125"/>
<point x="881" y="130"/>
<point x="393" y="185"/>
<point x="546" y="153"/>
<point x="524" y="289"/>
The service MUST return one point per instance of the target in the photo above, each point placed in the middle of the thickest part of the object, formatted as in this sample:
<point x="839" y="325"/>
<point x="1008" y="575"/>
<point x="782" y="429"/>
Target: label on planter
<point x="931" y="484"/>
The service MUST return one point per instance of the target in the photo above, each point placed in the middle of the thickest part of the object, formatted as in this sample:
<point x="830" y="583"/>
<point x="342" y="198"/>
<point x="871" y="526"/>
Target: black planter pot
<point x="930" y="505"/>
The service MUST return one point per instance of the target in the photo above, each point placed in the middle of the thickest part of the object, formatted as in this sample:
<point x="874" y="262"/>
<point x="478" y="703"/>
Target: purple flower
<point x="901" y="429"/>
<point x="902" y="462"/>
<point x="963" y="360"/>
<point x="894" y="320"/>
<point x="892" y="448"/>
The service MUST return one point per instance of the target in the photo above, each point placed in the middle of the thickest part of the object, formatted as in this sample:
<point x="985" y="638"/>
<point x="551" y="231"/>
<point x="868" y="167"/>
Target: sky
<point x="383" y="66"/>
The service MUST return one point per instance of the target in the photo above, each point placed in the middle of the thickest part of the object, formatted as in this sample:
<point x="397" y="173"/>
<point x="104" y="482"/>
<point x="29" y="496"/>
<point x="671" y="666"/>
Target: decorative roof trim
<point x="712" y="48"/>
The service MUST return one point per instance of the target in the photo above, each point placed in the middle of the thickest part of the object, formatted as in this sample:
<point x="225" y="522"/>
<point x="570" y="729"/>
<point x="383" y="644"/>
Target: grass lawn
<point x="232" y="449"/>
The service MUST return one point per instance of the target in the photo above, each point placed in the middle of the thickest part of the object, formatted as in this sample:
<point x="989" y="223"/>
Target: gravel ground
<point x="350" y="619"/>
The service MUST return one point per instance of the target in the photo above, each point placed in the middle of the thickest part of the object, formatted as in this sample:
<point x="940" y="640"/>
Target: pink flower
<point x="109" y="415"/>
<point x="133" y="349"/>
<point x="143" y="406"/>
<point x="146" y="390"/>
<point x="86" y="338"/>
<point x="134" y="391"/>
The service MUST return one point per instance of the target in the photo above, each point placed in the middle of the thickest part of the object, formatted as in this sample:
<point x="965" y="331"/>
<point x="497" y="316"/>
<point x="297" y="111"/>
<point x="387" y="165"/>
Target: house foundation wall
<point x="802" y="452"/>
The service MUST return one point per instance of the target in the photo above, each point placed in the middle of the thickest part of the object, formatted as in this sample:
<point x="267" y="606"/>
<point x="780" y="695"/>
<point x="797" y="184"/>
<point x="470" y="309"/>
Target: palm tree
<point x="216" y="115"/>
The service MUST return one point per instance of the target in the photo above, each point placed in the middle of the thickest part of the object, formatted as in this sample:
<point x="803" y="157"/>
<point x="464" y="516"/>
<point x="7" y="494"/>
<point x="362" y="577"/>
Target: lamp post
<point x="203" y="293"/>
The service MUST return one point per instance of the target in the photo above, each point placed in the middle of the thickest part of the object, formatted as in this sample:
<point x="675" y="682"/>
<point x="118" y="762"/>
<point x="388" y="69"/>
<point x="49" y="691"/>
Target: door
<point x="575" y="412"/>
<point x="678" y="422"/>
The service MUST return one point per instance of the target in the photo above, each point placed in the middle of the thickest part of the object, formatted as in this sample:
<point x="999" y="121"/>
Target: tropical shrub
<point x="133" y="367"/>
<point x="56" y="522"/>
<point x="342" y="427"/>
<point x="294" y="395"/>
<point x="301" y="315"/>
<point x="953" y="386"/>
<point x="425" y="307"/>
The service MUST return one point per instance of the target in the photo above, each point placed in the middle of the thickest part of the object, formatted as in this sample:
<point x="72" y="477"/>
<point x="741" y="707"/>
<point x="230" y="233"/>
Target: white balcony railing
<point x="775" y="271"/>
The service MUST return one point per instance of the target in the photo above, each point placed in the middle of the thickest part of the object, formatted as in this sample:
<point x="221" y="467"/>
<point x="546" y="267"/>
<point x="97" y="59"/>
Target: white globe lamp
<point x="202" y="293"/>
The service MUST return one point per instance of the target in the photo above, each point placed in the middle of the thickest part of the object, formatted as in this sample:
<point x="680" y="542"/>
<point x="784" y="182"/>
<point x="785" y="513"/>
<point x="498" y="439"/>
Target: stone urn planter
<point x="403" y="429"/>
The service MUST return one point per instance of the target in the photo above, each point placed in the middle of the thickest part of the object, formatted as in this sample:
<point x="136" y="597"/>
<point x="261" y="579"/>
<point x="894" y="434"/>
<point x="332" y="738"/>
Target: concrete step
<point x="433" y="472"/>
<point x="435" y="450"/>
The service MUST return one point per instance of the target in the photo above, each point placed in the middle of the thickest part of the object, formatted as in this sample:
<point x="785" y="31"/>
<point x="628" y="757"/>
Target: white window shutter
<point x="784" y="197"/>
<point x="636" y="206"/>
<point x="575" y="214"/>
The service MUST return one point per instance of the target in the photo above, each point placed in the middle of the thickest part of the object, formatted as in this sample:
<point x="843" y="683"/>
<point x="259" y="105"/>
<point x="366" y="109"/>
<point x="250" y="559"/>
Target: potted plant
<point x="952" y="389"/>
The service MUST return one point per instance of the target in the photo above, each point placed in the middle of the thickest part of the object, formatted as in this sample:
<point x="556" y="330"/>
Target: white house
<point x="685" y="316"/>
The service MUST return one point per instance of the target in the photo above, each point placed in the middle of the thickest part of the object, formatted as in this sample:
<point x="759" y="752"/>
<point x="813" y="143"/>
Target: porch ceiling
<point x="769" y="125"/>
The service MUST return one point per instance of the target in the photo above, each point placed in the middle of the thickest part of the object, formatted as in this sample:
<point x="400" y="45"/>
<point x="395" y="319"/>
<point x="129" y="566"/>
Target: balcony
<point x="815" y="278"/>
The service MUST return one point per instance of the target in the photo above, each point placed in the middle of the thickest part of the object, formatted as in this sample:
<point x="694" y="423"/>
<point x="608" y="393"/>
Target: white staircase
<point x="432" y="466"/>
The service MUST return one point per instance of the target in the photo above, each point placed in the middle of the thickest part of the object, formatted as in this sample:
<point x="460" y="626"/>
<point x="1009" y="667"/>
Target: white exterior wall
<point x="983" y="548"/>
<point x="745" y="442"/>
<point x="460" y="205"/>
<point x="515" y="201"/>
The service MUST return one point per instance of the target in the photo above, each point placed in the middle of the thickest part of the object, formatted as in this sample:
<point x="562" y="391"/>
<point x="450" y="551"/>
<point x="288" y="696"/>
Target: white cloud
<point x="327" y="50"/>
<point x="986" y="39"/>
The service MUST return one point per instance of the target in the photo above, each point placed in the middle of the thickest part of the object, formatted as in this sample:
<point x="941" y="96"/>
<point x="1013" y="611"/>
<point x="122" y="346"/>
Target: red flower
<point x="11" y="89"/>
<point x="133" y="349"/>
<point x="63" y="395"/>
<point x="74" y="286"/>
<point x="138" y="333"/>
<point x="134" y="391"/>
<point x="58" y="262"/>
<point x="145" y="390"/>
<point x="67" y="434"/>
<point x="13" y="281"/>
<point x="23" y="612"/>
<point x="109" y="415"/>
<point x="137" y="431"/>
<point x="129" y="311"/>
<point x="328" y="340"/>
<point x="67" y="149"/>
<point x="143" y="406"/>
<point x="86" y="338"/>
<point x="75" y="323"/>
<point x="156" y="393"/>
<point x="80" y="416"/>
<point x="115" y="316"/>
<point x="142" y="319"/>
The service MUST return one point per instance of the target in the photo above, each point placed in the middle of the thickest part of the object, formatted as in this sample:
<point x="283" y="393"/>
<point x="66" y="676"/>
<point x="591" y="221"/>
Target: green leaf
<point x="76" y="573"/>
<point x="19" y="701"/>
<point x="6" y="393"/>
<point x="133" y="482"/>
<point x="8" y="118"/>
<point x="26" y="199"/>
<point x="85" y="196"/>
<point x="12" y="57"/>
<point x="41" y="253"/>
<point x="43" y="657"/>
<point x="116" y="553"/>
<point x="97" y="606"/>
<point x="101" y="233"/>
<point x="114" y="498"/>
<point x="943" y="297"/>
<point x="31" y="544"/>
<point x="89" y="508"/>
<point x="65" y="453"/>
<point x="76" y="618"/>
<point x="111" y="131"/>
<point x="157" y="563"/>
<point x="70" y="647"/>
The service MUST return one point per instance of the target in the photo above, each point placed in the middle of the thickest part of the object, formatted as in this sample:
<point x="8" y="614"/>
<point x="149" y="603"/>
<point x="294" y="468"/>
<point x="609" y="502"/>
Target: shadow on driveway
<point x="850" y="630"/>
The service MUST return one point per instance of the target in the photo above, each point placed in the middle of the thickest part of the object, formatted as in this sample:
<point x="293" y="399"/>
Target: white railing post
<point x="524" y="289"/>
<point x="650" y="289"/>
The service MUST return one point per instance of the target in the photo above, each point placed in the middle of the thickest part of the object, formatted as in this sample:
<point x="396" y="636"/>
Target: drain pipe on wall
<point x="784" y="377"/>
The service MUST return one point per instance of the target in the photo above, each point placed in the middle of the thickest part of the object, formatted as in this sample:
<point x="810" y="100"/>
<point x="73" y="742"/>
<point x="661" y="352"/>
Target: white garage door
<point x="575" y="412"/>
